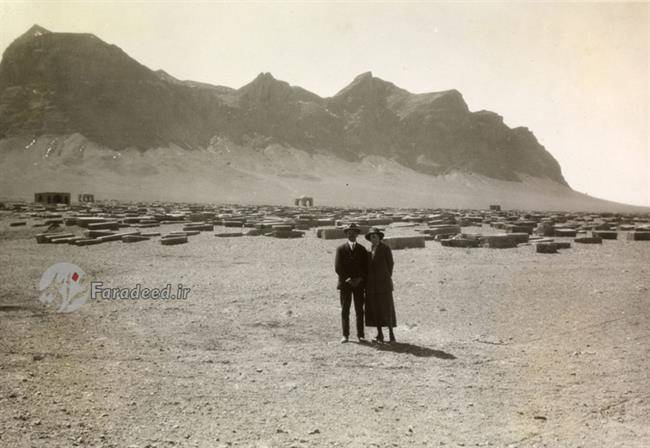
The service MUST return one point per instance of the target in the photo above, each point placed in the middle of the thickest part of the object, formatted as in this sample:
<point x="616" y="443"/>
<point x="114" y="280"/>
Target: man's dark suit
<point x="350" y="265"/>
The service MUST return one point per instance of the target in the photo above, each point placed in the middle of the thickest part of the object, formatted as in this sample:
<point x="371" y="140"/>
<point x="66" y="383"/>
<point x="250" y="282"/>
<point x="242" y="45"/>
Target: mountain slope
<point x="65" y="87"/>
<point x="63" y="83"/>
<point x="436" y="132"/>
<point x="226" y="172"/>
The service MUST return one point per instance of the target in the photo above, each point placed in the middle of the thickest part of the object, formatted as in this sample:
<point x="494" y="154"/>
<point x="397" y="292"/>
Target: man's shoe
<point x="362" y="340"/>
<point x="378" y="340"/>
<point x="344" y="339"/>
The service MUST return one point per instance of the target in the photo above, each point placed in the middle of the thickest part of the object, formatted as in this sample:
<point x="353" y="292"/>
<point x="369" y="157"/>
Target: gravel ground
<point x="496" y="348"/>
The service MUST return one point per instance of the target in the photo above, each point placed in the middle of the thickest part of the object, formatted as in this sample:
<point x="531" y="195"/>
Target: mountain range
<point x="72" y="104"/>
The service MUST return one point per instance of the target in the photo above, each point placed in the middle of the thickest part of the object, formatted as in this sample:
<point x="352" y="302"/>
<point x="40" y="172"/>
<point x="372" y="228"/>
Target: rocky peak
<point x="27" y="37"/>
<point x="265" y="77"/>
<point x="266" y="89"/>
<point x="365" y="84"/>
<point x="363" y="77"/>
<point x="63" y="58"/>
<point x="162" y="74"/>
<point x="34" y="32"/>
<point x="263" y="81"/>
<point x="365" y="91"/>
<point x="449" y="101"/>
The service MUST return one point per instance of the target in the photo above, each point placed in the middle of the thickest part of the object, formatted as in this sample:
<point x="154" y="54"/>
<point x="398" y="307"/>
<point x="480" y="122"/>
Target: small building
<point x="304" y="201"/>
<point x="495" y="208"/>
<point x="85" y="197"/>
<point x="52" y="198"/>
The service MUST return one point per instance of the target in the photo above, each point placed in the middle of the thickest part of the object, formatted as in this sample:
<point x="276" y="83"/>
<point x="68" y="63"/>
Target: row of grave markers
<point x="104" y="222"/>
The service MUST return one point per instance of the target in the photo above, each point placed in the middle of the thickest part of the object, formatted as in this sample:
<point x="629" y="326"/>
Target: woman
<point x="380" y="309"/>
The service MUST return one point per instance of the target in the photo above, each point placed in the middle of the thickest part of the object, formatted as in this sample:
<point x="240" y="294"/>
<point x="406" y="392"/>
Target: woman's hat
<point x="375" y="231"/>
<point x="353" y="227"/>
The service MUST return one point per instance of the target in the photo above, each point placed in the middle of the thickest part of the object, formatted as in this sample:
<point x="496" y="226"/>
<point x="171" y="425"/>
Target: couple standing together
<point x="365" y="279"/>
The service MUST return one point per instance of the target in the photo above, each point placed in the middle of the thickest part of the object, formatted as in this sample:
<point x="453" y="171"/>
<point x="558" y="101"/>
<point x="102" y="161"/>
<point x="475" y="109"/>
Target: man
<point x="351" y="265"/>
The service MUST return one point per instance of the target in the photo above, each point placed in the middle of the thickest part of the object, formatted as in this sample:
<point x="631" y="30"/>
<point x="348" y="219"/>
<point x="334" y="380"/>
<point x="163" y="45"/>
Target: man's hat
<point x="352" y="227"/>
<point x="375" y="231"/>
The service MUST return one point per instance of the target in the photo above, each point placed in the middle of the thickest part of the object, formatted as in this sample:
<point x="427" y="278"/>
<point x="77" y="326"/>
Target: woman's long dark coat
<point x="380" y="308"/>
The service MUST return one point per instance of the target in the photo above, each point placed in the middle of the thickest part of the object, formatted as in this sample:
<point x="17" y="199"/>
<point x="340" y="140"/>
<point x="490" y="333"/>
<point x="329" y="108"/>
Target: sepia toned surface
<point x="574" y="73"/>
<point x="516" y="329"/>
<point x="495" y="347"/>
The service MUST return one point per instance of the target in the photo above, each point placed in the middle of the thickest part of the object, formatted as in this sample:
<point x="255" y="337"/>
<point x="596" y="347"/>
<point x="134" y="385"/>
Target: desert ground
<point x="496" y="347"/>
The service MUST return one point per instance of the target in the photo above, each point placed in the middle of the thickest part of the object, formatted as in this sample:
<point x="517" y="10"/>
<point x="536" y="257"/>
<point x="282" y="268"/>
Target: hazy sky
<point x="576" y="74"/>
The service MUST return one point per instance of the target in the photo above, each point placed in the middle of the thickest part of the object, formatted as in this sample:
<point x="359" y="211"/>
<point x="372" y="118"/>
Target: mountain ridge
<point x="66" y="83"/>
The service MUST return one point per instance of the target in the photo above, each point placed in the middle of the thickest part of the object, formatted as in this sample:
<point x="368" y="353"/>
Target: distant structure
<point x="52" y="198"/>
<point x="495" y="208"/>
<point x="304" y="201"/>
<point x="85" y="197"/>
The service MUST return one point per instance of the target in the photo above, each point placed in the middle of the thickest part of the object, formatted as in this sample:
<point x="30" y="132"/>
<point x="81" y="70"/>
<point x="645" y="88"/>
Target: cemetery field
<point x="496" y="347"/>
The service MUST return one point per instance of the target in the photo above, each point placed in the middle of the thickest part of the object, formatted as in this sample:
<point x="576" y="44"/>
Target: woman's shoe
<point x="391" y="336"/>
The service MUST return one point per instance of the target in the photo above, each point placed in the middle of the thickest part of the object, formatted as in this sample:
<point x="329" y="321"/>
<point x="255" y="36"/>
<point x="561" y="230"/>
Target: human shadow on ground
<point x="411" y="349"/>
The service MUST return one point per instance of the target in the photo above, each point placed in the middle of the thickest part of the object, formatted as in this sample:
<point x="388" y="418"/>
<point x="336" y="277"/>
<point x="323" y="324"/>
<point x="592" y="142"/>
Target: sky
<point x="576" y="74"/>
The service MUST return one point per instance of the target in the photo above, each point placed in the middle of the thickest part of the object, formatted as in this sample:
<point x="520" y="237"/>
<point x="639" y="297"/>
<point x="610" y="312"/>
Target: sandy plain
<point x="502" y="348"/>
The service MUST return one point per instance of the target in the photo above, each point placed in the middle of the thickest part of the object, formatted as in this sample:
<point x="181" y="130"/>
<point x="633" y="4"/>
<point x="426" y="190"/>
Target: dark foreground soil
<point x="496" y="348"/>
